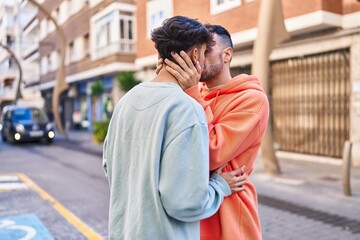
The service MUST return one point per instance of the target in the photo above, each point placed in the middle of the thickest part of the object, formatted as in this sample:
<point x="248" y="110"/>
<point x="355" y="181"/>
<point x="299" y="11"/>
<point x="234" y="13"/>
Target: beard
<point x="211" y="71"/>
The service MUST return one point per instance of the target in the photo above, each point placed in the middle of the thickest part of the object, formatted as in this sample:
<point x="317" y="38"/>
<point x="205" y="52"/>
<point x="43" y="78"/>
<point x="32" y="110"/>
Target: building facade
<point x="100" y="43"/>
<point x="8" y="68"/>
<point x="315" y="79"/>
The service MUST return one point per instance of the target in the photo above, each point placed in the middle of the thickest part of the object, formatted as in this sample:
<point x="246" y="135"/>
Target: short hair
<point x="222" y="33"/>
<point x="179" y="33"/>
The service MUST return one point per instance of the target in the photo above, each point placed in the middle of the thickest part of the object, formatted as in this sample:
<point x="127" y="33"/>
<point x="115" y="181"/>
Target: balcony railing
<point x="8" y="72"/>
<point x="123" y="46"/>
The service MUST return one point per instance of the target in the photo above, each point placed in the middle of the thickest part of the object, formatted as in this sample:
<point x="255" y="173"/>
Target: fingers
<point x="239" y="181"/>
<point x="237" y="189"/>
<point x="237" y="184"/>
<point x="158" y="68"/>
<point x="219" y="170"/>
<point x="175" y="67"/>
<point x="159" y="62"/>
<point x="238" y="171"/>
<point x="186" y="77"/>
<point x="198" y="67"/>
<point x="187" y="59"/>
<point x="176" y="74"/>
<point x="183" y="60"/>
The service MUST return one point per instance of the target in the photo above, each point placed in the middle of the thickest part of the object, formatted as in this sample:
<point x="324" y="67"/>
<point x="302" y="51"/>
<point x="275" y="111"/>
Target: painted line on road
<point x="10" y="183"/>
<point x="5" y="187"/>
<point x="69" y="216"/>
<point x="9" y="178"/>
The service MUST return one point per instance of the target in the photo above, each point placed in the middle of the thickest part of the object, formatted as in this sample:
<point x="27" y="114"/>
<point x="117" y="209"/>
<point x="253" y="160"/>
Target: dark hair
<point x="179" y="33"/>
<point x="221" y="32"/>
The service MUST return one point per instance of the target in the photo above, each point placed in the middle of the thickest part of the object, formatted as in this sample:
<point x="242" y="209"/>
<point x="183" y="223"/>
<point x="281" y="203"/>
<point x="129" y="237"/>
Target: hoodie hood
<point x="148" y="94"/>
<point x="237" y="84"/>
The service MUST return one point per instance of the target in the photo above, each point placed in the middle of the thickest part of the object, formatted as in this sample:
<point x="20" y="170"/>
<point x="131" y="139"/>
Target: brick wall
<point x="237" y="19"/>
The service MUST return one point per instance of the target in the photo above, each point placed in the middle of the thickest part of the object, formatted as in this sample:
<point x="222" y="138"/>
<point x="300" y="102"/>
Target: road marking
<point x="24" y="227"/>
<point x="11" y="182"/>
<point x="69" y="216"/>
<point x="4" y="187"/>
<point x="9" y="178"/>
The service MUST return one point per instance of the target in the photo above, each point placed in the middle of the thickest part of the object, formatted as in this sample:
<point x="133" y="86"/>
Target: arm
<point x="186" y="192"/>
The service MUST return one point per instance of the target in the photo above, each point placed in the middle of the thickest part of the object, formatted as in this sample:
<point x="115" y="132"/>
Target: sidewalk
<point x="82" y="141"/>
<point x="305" y="202"/>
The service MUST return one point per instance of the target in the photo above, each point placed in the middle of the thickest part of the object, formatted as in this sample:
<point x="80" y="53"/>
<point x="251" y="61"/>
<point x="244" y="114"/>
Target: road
<point x="305" y="202"/>
<point x="74" y="178"/>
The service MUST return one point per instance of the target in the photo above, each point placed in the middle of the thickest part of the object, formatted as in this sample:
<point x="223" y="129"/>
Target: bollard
<point x="346" y="166"/>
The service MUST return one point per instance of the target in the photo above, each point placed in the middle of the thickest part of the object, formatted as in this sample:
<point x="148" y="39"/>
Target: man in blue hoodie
<point x="156" y="153"/>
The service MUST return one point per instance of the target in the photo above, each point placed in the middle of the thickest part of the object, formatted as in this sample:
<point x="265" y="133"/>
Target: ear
<point x="228" y="52"/>
<point x="194" y="55"/>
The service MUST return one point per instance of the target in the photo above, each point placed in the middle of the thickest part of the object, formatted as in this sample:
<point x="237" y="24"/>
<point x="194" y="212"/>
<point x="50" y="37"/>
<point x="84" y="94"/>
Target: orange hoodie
<point x="237" y="115"/>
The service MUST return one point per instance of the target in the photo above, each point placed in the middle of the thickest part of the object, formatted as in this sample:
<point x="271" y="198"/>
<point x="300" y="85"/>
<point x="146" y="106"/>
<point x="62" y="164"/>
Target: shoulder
<point x="193" y="106"/>
<point x="187" y="108"/>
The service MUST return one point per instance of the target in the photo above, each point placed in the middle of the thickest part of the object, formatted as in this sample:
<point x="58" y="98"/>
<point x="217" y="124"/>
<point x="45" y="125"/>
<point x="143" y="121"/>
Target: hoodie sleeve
<point x="241" y="125"/>
<point x="185" y="190"/>
<point x="104" y="159"/>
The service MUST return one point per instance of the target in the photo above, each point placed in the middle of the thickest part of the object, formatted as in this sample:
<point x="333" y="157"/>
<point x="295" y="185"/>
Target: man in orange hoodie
<point x="237" y="111"/>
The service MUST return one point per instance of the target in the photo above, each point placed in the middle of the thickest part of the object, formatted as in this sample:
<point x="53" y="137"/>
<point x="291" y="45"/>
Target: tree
<point x="127" y="80"/>
<point x="271" y="31"/>
<point x="97" y="88"/>
<point x="60" y="85"/>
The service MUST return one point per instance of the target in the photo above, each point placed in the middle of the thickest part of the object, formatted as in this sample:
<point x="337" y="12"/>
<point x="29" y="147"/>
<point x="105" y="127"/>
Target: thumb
<point x="198" y="67"/>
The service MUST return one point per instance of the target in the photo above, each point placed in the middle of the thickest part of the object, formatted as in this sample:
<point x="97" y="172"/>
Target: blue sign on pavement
<point x="25" y="227"/>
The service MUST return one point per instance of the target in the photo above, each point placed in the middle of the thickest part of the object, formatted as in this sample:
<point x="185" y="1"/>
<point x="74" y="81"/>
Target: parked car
<point x="25" y="124"/>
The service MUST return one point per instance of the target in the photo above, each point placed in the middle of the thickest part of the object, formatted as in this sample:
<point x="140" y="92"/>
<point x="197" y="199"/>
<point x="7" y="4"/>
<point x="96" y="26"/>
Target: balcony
<point x="28" y="48"/>
<point x="123" y="46"/>
<point x="8" y="73"/>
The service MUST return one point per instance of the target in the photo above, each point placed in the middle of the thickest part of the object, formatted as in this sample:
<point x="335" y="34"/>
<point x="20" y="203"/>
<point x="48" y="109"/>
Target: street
<point x="305" y="202"/>
<point x="73" y="178"/>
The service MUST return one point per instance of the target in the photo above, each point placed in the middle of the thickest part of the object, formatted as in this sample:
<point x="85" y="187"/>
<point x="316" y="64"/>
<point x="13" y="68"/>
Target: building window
<point x="8" y="82"/>
<point x="218" y="6"/>
<point x="157" y="11"/>
<point x="49" y="63"/>
<point x="71" y="52"/>
<point x="115" y="33"/>
<point x="103" y="31"/>
<point x="11" y="63"/>
<point x="112" y="30"/>
<point x="9" y="41"/>
<point x="126" y="28"/>
<point x="44" y="65"/>
<point x="86" y="45"/>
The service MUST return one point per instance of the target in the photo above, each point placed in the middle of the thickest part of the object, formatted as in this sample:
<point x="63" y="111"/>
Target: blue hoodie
<point x="156" y="159"/>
